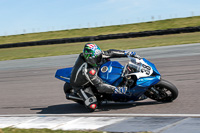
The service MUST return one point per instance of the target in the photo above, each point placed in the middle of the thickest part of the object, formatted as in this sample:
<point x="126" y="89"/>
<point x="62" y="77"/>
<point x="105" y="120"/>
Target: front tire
<point x="163" y="91"/>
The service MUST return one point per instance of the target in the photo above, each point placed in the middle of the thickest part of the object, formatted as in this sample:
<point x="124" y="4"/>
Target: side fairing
<point x="147" y="81"/>
<point x="111" y="72"/>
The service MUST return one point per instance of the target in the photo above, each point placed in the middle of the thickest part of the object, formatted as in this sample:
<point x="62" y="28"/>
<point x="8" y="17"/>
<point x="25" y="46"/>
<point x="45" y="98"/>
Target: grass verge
<point x="147" y="26"/>
<point x="15" y="130"/>
<point x="74" y="48"/>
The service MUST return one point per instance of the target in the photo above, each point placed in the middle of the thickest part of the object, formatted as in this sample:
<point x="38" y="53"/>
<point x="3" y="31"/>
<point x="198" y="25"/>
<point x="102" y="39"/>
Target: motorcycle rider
<point x="84" y="73"/>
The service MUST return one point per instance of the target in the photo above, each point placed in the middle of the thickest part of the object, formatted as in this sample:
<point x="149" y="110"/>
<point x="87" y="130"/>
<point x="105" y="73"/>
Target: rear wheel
<point x="68" y="90"/>
<point x="163" y="91"/>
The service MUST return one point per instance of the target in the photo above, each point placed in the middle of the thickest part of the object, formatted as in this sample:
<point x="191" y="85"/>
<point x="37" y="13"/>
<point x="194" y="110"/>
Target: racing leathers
<point x="83" y="76"/>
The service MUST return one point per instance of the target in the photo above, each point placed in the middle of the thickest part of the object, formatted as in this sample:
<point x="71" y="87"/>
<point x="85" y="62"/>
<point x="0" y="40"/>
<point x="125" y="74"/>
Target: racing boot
<point x="90" y="100"/>
<point x="120" y="90"/>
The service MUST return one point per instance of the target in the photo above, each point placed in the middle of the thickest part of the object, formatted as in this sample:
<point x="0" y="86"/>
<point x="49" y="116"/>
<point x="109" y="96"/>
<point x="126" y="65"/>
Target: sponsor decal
<point x="97" y="52"/>
<point x="88" y="53"/>
<point x="104" y="69"/>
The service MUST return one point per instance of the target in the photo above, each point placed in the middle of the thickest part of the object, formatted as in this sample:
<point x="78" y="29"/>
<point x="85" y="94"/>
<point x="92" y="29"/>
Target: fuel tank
<point x="111" y="72"/>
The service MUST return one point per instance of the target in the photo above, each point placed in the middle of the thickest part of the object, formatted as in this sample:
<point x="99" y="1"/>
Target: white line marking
<point x="11" y="121"/>
<point x="104" y="115"/>
<point x="45" y="122"/>
<point x="89" y="123"/>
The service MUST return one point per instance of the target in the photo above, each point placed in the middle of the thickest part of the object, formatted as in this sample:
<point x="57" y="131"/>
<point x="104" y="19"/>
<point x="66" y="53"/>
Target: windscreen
<point x="138" y="66"/>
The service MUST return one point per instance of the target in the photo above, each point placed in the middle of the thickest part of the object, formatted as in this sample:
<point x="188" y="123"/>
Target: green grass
<point x="15" y="130"/>
<point x="74" y="48"/>
<point x="155" y="25"/>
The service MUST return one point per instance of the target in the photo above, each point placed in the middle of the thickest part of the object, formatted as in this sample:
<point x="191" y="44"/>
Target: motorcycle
<point x="140" y="76"/>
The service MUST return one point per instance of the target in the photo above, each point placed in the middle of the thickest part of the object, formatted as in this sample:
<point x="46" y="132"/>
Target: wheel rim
<point x="164" y="93"/>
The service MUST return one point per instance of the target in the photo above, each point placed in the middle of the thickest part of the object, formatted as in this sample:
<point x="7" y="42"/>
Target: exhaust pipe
<point x="72" y="97"/>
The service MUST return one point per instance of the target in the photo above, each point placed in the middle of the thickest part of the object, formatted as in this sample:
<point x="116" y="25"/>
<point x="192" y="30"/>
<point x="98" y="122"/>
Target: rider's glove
<point x="132" y="54"/>
<point x="137" y="56"/>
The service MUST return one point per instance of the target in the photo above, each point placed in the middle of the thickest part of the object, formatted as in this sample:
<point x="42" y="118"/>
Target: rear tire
<point x="164" y="92"/>
<point x="68" y="89"/>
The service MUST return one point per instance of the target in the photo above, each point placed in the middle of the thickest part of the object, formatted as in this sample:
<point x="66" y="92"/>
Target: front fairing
<point x="155" y="71"/>
<point x="142" y="67"/>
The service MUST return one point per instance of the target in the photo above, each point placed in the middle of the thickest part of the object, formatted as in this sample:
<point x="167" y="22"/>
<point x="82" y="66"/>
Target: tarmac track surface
<point x="36" y="91"/>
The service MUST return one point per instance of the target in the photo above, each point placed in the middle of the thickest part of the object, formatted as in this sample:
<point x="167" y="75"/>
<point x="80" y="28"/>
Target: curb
<point x="156" y="123"/>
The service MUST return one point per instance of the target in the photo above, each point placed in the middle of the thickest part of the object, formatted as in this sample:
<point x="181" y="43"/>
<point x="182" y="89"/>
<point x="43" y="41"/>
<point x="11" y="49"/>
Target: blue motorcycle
<point x="139" y="75"/>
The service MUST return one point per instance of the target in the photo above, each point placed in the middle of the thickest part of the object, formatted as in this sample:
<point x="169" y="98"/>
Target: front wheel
<point x="163" y="91"/>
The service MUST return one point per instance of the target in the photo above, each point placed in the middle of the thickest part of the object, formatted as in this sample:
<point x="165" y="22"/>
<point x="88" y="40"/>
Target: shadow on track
<point x="77" y="108"/>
